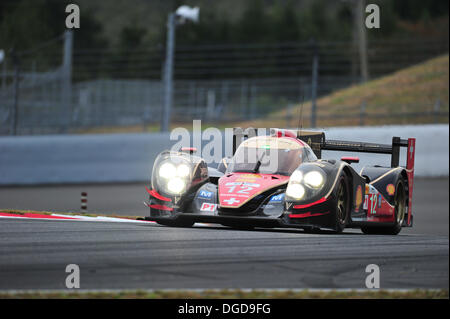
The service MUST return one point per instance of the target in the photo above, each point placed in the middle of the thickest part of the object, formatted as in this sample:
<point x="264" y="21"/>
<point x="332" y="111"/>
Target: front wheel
<point x="342" y="203"/>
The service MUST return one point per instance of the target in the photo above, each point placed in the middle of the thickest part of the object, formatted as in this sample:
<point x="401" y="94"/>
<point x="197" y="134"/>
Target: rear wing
<point x="316" y="140"/>
<point x="318" y="143"/>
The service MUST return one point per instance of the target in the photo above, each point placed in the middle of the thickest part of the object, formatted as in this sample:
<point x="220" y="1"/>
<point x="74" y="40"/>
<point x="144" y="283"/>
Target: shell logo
<point x="390" y="189"/>
<point x="359" y="197"/>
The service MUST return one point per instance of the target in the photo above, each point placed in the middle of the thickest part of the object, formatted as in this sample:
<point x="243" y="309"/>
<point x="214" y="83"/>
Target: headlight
<point x="296" y="191"/>
<point x="167" y="170"/>
<point x="176" y="185"/>
<point x="314" y="179"/>
<point x="173" y="177"/>
<point x="183" y="170"/>
<point x="296" y="177"/>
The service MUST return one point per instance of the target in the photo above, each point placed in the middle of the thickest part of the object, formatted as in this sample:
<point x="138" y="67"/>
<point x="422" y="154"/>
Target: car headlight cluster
<point x="296" y="191"/>
<point x="314" y="179"/>
<point x="174" y="177"/>
<point x="302" y="183"/>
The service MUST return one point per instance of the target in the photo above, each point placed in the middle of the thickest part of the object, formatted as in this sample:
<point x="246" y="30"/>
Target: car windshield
<point x="267" y="155"/>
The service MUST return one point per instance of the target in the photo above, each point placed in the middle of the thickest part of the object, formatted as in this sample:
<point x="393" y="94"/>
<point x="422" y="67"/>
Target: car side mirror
<point x="350" y="159"/>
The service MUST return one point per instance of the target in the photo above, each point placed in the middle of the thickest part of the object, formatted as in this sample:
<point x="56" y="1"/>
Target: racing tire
<point x="342" y="203"/>
<point x="400" y="199"/>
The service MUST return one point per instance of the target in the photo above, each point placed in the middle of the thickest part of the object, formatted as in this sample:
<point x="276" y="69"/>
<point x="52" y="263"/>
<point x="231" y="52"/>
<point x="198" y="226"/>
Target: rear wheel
<point x="400" y="213"/>
<point x="342" y="203"/>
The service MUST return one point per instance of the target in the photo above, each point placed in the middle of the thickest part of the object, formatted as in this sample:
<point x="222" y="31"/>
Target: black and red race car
<point x="301" y="190"/>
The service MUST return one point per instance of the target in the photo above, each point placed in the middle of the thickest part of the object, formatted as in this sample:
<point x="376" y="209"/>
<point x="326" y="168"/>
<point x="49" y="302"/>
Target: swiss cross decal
<point x="231" y="201"/>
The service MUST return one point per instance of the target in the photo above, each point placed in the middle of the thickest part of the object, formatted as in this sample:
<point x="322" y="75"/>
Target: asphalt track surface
<point x="34" y="253"/>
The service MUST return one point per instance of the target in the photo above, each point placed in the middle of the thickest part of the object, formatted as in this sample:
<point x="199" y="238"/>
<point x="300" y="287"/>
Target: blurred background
<point x="245" y="63"/>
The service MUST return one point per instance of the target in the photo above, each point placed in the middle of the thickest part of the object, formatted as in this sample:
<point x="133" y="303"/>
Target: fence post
<point x="224" y="98"/>
<point x="315" y="73"/>
<point x="67" y="79"/>
<point x="4" y="76"/>
<point x="362" y="39"/>
<point x="288" y="116"/>
<point x="168" y="73"/>
<point x="436" y="108"/>
<point x="210" y="104"/>
<point x="244" y="100"/>
<point x="192" y="96"/>
<point x="15" y="109"/>
<point x="253" y="92"/>
<point x="362" y="113"/>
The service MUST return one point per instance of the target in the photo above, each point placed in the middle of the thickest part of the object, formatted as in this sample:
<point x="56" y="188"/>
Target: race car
<point x="280" y="180"/>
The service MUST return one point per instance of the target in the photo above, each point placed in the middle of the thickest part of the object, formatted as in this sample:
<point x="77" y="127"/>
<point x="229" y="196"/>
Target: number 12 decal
<point x="243" y="190"/>
<point x="370" y="204"/>
<point x="373" y="200"/>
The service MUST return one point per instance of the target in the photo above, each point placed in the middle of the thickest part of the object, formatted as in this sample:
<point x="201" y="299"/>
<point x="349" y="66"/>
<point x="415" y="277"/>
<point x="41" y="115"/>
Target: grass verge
<point x="235" y="294"/>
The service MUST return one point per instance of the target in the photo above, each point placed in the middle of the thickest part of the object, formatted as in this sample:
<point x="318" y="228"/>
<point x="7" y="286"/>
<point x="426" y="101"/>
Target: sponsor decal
<point x="370" y="203"/>
<point x="208" y="207"/>
<point x="232" y="201"/>
<point x="205" y="194"/>
<point x="390" y="189"/>
<point x="234" y="192"/>
<point x="359" y="198"/>
<point x="247" y="177"/>
<point x="277" y="198"/>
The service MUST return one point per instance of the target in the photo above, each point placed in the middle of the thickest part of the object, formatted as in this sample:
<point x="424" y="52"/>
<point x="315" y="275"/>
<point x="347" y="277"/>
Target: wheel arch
<point x="349" y="175"/>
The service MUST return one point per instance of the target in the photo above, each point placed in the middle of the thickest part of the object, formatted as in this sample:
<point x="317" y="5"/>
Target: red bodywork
<point x="236" y="189"/>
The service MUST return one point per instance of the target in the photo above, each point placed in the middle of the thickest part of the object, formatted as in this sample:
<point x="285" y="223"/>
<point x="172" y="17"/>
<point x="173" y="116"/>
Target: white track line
<point x="89" y="219"/>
